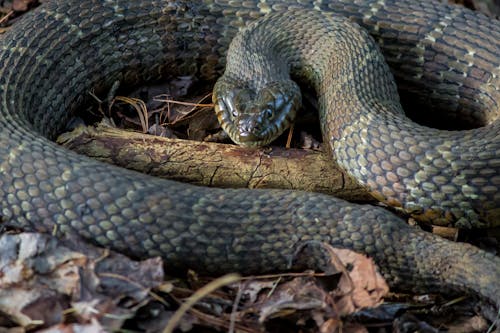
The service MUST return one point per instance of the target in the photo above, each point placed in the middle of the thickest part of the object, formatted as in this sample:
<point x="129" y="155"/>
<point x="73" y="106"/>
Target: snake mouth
<point x="245" y="137"/>
<point x="250" y="138"/>
<point x="257" y="138"/>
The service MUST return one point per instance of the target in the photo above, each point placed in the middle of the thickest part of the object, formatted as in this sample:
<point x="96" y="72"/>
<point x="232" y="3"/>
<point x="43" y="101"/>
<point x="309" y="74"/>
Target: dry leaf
<point x="363" y="286"/>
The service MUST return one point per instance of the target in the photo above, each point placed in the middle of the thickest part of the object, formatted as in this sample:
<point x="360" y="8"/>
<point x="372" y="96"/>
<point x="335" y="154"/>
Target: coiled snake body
<point x="56" y="55"/>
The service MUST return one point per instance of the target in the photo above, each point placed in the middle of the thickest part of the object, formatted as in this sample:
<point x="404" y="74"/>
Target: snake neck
<point x="267" y="54"/>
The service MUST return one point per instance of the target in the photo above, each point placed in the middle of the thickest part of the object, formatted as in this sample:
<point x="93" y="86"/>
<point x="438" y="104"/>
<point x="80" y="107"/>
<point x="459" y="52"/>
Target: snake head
<point x="255" y="117"/>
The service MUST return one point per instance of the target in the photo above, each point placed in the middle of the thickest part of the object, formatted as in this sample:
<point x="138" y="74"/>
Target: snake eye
<point x="268" y="113"/>
<point x="234" y="113"/>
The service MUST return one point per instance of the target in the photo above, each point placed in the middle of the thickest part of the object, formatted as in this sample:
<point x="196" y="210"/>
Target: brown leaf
<point x="362" y="286"/>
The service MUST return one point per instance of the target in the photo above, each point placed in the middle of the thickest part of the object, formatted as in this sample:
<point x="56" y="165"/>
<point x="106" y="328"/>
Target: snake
<point x="61" y="52"/>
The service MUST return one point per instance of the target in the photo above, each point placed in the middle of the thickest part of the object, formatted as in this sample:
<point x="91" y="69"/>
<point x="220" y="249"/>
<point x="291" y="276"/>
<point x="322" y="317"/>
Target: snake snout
<point x="250" y="127"/>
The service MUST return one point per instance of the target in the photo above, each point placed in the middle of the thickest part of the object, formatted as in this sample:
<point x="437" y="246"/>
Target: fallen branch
<point x="214" y="164"/>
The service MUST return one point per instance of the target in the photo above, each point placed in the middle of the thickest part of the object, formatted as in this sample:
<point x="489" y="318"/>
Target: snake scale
<point x="64" y="49"/>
